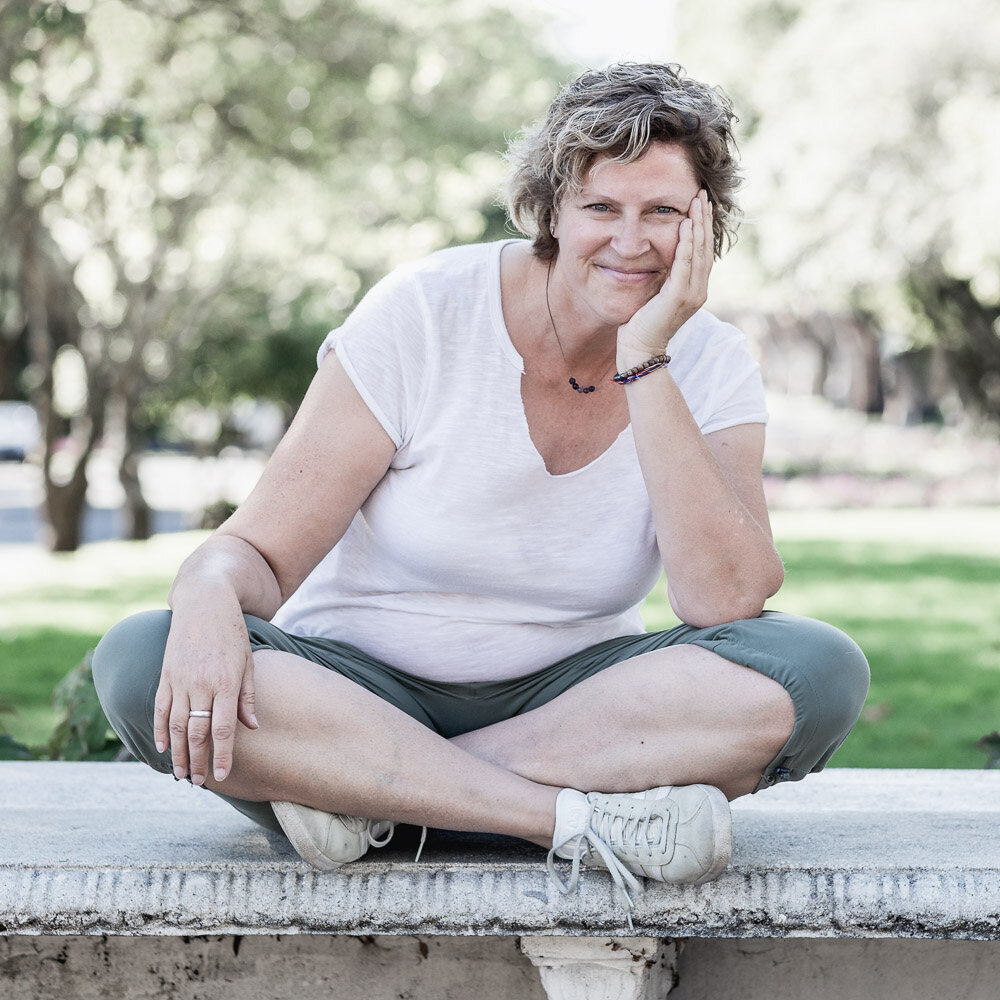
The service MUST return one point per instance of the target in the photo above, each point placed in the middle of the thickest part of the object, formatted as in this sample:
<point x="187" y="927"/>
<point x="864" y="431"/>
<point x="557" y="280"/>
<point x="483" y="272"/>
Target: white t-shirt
<point x="470" y="561"/>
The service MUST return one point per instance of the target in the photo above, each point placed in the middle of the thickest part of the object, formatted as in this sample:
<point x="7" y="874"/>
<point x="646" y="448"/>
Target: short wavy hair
<point x="619" y="112"/>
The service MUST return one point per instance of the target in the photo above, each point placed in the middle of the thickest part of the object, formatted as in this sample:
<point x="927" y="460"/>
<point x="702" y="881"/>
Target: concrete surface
<point x="118" y="849"/>
<point x="320" y="967"/>
<point x="800" y="969"/>
<point x="116" y="882"/>
<point x="300" y="967"/>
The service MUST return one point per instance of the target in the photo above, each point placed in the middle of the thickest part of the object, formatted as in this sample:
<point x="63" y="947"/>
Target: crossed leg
<point x="326" y="742"/>
<point x="675" y="716"/>
<point x="672" y="716"/>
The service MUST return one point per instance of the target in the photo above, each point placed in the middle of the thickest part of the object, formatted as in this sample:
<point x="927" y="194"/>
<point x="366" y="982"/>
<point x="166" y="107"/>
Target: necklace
<point x="572" y="381"/>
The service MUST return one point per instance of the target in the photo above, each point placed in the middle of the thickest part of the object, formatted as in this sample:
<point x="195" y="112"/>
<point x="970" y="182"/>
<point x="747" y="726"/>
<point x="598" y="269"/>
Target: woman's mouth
<point x="627" y="276"/>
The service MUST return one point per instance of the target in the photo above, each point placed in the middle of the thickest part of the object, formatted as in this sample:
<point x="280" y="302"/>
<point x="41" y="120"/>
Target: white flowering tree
<point x="871" y="134"/>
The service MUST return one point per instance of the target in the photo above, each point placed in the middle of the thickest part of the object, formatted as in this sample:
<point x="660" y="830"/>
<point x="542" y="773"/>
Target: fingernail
<point x="220" y="774"/>
<point x="253" y="719"/>
<point x="197" y="779"/>
<point x="179" y="772"/>
<point x="160" y="746"/>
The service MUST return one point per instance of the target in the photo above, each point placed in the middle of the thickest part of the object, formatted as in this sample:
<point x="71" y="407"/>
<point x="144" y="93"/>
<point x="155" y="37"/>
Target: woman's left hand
<point x="684" y="292"/>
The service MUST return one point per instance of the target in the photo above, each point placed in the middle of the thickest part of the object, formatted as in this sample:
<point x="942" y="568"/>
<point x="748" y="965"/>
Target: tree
<point x="193" y="190"/>
<point x="870" y="138"/>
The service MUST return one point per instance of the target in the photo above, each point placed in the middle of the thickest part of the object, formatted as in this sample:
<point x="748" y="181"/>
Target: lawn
<point x="54" y="608"/>
<point x="918" y="590"/>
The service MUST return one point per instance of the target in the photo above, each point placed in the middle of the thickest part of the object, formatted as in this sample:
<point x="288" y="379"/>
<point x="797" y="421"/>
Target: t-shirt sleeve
<point x="382" y="346"/>
<point x="718" y="376"/>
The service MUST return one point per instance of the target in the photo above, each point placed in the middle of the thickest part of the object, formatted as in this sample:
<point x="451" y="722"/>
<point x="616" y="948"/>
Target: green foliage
<point x="35" y="660"/>
<point x="82" y="732"/>
<point x="990" y="745"/>
<point x="195" y="192"/>
<point x="251" y="350"/>
<point x="216" y="514"/>
<point x="243" y="171"/>
<point x="10" y="748"/>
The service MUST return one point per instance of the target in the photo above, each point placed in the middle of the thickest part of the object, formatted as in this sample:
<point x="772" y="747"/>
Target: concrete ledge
<point x="114" y="849"/>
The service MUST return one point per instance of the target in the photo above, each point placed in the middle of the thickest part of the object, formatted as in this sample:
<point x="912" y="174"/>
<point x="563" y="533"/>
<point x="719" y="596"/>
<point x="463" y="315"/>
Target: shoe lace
<point x="420" y="846"/>
<point x="591" y="841"/>
<point x="379" y="831"/>
<point x="636" y="828"/>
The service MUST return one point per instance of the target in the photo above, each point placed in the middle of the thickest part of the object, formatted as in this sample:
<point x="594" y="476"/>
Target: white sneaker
<point x="680" y="834"/>
<point x="329" y="840"/>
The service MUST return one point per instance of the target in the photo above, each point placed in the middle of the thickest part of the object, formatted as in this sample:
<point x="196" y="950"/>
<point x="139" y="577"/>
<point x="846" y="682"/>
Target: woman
<point x="427" y="610"/>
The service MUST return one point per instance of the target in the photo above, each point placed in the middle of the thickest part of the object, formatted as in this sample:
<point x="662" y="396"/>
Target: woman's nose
<point x="629" y="239"/>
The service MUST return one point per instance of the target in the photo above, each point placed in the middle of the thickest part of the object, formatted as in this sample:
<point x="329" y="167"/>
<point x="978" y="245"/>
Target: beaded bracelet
<point x="652" y="365"/>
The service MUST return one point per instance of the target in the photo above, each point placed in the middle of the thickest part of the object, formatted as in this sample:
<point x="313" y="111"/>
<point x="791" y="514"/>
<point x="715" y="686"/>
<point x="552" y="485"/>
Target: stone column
<point x="584" y="968"/>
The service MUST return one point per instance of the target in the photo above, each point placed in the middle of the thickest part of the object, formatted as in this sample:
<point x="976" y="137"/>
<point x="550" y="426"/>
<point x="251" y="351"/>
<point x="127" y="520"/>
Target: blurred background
<point x="194" y="192"/>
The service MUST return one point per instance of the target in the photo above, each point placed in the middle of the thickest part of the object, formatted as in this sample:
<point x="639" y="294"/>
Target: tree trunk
<point x="51" y="322"/>
<point x="138" y="515"/>
<point x="866" y="392"/>
<point x="967" y="331"/>
<point x="64" y="508"/>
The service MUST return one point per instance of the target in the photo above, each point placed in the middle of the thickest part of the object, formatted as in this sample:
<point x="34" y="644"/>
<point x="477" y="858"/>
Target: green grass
<point x="34" y="662"/>
<point x="918" y="593"/>
<point x="917" y="589"/>
<point x="54" y="608"/>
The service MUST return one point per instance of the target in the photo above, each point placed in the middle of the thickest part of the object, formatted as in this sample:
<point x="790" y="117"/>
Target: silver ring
<point x="199" y="713"/>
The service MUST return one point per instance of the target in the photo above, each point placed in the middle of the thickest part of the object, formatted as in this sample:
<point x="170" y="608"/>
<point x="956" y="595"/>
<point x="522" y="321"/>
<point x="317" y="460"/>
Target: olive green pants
<point x="823" y="670"/>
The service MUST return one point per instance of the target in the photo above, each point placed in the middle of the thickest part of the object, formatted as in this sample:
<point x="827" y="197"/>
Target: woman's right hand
<point x="207" y="667"/>
<point x="330" y="460"/>
<point x="685" y="291"/>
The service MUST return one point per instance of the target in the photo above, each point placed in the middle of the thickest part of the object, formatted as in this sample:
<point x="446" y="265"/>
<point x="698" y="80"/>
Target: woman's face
<point x="618" y="234"/>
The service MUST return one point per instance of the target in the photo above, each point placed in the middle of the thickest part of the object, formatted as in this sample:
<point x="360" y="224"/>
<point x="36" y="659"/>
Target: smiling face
<point x="618" y="234"/>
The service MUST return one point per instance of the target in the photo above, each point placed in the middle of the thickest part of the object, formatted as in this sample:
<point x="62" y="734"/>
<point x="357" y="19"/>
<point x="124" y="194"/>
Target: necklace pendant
<point x="579" y="388"/>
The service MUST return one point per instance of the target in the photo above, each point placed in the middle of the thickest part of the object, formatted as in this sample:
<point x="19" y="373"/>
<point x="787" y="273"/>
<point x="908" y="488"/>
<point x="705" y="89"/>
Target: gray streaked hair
<point x="619" y="112"/>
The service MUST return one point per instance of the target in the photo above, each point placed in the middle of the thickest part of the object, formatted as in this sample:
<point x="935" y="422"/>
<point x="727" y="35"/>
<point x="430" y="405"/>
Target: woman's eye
<point x="665" y="210"/>
<point x="598" y="206"/>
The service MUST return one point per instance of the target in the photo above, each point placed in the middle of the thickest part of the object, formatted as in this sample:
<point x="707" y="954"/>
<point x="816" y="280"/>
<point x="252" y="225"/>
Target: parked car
<point x="19" y="431"/>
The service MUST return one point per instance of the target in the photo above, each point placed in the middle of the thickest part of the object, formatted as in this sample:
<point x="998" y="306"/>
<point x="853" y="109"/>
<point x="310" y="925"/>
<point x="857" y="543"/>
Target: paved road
<point x="177" y="487"/>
